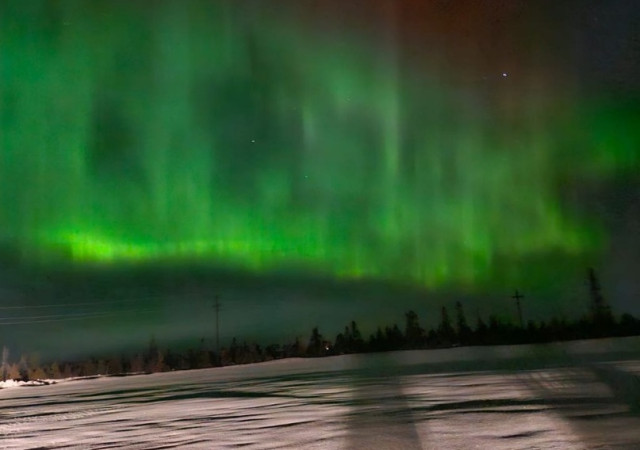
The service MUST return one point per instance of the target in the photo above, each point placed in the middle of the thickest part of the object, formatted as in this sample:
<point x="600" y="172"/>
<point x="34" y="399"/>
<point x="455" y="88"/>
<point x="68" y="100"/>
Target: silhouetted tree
<point x="357" y="343"/>
<point x="13" y="373"/>
<point x="464" y="331"/>
<point x="340" y="345"/>
<point x="53" y="371"/>
<point x="432" y="338"/>
<point x="600" y="311"/>
<point x="294" y="350"/>
<point x="629" y="325"/>
<point x="152" y="357"/>
<point x="377" y="341"/>
<point x="172" y="360"/>
<point x="273" y="351"/>
<point x="136" y="363"/>
<point x="248" y="353"/>
<point x="496" y="330"/>
<point x="394" y="337"/>
<point x="349" y="341"/>
<point x="5" y="363"/>
<point x="414" y="334"/>
<point x="446" y="333"/>
<point x="481" y="333"/>
<point x="23" y="368"/>
<point x="315" y="347"/>
<point x="555" y="330"/>
<point x="233" y="351"/>
<point x="532" y="332"/>
<point x="67" y="371"/>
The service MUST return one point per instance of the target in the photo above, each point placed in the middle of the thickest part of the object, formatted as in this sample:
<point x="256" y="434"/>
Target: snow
<point x="569" y="396"/>
<point x="14" y="383"/>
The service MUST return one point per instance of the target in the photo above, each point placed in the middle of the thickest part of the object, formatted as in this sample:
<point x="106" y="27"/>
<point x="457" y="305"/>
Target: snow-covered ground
<point x="14" y="383"/>
<point x="566" y="396"/>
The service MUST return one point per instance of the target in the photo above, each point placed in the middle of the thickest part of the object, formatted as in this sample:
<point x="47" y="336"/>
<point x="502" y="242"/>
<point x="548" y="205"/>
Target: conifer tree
<point x="600" y="310"/>
<point x="413" y="332"/>
<point x="315" y="347"/>
<point x="445" y="331"/>
<point x="5" y="363"/>
<point x="464" y="331"/>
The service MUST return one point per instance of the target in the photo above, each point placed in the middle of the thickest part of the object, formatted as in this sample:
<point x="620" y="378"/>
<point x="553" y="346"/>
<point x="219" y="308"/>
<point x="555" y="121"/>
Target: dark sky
<point x="310" y="162"/>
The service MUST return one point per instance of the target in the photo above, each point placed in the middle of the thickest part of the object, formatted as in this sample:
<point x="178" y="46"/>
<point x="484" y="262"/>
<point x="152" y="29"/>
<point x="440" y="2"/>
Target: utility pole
<point x="518" y="296"/>
<point x="216" y="306"/>
<point x="599" y="307"/>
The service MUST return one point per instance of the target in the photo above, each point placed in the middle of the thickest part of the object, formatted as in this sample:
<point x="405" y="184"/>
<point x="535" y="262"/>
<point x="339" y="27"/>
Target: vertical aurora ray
<point x="185" y="132"/>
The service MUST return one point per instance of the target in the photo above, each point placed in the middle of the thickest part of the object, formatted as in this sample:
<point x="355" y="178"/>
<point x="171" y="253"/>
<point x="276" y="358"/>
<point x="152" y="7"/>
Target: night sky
<point x="311" y="162"/>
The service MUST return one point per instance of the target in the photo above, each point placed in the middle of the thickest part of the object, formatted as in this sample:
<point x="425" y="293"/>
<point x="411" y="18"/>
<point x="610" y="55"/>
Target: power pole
<point x="216" y="306"/>
<point x="518" y="296"/>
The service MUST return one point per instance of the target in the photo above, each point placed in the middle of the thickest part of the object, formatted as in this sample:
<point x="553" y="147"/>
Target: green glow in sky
<point x="180" y="133"/>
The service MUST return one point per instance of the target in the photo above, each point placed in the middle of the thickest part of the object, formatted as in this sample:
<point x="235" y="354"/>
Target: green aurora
<point x="197" y="131"/>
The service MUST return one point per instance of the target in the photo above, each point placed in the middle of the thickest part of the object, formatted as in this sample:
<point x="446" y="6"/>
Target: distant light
<point x="504" y="74"/>
<point x="253" y="140"/>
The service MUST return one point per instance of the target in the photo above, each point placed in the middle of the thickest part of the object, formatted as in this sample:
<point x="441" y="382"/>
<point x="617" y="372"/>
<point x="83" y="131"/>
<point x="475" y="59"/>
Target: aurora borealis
<point x="429" y="144"/>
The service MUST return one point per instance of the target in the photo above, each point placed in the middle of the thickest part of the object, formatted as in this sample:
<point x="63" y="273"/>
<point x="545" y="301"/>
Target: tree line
<point x="452" y="330"/>
<point x="598" y="322"/>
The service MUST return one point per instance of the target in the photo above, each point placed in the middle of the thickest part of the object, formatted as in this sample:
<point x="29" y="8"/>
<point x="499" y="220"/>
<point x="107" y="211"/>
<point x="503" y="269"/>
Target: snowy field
<point x="577" y="395"/>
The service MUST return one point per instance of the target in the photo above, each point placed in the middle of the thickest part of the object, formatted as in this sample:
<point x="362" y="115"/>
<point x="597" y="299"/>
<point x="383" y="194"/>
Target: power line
<point x="62" y="317"/>
<point x="80" y="314"/>
<point x="50" y="316"/>
<point x="104" y="302"/>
